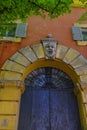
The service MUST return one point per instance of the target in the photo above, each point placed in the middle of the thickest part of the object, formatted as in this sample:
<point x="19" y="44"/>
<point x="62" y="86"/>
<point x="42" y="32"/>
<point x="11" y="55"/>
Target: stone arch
<point x="16" y="66"/>
<point x="24" y="61"/>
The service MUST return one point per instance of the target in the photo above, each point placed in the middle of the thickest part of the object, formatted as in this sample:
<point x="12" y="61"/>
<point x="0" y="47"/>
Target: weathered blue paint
<point x="49" y="107"/>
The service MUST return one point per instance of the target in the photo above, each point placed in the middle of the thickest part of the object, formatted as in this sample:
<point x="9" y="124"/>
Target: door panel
<point x="73" y="113"/>
<point x="40" y="110"/>
<point x="58" y="109"/>
<point x="49" y="109"/>
<point x="25" y="114"/>
<point x="64" y="115"/>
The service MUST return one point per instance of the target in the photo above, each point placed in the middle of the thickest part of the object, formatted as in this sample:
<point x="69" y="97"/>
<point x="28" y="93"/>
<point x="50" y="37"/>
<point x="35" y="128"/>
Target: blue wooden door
<point x="49" y="109"/>
<point x="49" y="103"/>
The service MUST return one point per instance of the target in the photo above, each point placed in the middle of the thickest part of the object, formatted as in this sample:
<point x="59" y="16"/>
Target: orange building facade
<point x="39" y="28"/>
<point x="70" y="57"/>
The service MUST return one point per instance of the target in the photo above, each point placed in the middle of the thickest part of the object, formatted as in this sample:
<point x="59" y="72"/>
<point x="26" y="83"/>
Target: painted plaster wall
<point x="38" y="28"/>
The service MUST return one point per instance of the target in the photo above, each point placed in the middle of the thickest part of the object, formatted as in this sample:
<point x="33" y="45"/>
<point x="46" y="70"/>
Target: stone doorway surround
<point x="18" y="66"/>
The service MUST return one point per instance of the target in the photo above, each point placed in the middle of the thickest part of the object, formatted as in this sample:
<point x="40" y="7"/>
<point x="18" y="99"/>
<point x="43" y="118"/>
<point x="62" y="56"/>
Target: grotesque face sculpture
<point x="50" y="50"/>
<point x="49" y="44"/>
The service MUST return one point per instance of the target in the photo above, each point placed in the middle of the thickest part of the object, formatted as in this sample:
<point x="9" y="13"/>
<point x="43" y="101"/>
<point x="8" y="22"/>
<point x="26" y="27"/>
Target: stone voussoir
<point x="61" y="51"/>
<point x="13" y="66"/>
<point x="20" y="58"/>
<point x="70" y="55"/>
<point x="79" y="61"/>
<point x="9" y="75"/>
<point x="38" y="50"/>
<point x="83" y="79"/>
<point x="81" y="70"/>
<point x="28" y="53"/>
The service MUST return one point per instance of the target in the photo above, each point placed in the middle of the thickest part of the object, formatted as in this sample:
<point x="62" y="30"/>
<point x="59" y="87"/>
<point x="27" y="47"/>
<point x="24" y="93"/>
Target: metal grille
<point x="49" y="77"/>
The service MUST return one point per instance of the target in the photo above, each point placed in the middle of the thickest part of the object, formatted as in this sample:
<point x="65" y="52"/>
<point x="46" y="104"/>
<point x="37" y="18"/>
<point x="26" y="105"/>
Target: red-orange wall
<point x="38" y="28"/>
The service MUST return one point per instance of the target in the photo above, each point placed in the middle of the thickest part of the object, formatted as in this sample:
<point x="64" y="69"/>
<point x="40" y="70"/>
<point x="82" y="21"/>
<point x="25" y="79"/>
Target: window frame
<point x="84" y="33"/>
<point x="13" y="32"/>
<point x="81" y="42"/>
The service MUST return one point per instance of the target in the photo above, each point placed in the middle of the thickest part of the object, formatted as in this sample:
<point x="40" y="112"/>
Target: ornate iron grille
<point x="49" y="77"/>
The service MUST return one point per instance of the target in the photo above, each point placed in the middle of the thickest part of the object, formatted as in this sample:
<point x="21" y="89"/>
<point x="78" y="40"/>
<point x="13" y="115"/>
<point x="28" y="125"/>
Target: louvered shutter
<point x="21" y="30"/>
<point x="77" y="33"/>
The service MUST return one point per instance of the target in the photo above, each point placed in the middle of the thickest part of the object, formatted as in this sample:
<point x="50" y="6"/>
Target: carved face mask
<point x="50" y="49"/>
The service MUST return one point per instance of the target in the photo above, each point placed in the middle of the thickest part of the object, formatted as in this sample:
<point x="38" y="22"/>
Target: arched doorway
<point x="49" y="102"/>
<point x="27" y="59"/>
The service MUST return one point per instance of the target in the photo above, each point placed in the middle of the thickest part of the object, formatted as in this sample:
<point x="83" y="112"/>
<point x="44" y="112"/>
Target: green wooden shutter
<point x="77" y="33"/>
<point x="21" y="30"/>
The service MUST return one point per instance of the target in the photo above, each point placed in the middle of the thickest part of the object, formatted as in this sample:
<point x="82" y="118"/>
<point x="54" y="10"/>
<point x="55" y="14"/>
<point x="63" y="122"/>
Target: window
<point x="84" y="33"/>
<point x="13" y="32"/>
<point x="7" y="30"/>
<point x="79" y="34"/>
